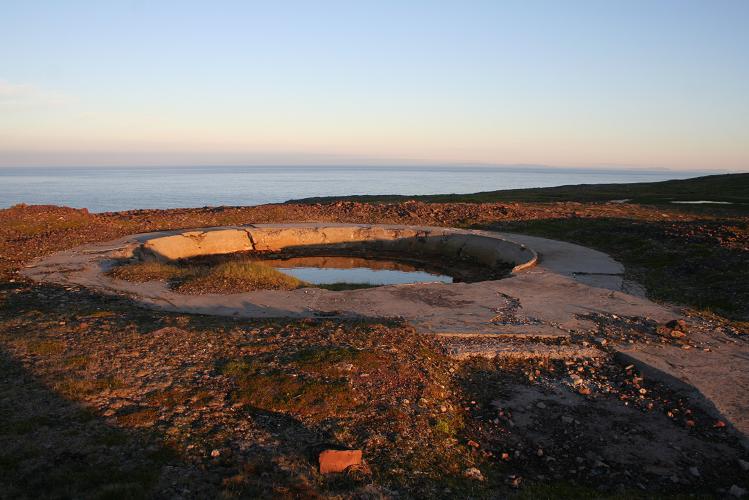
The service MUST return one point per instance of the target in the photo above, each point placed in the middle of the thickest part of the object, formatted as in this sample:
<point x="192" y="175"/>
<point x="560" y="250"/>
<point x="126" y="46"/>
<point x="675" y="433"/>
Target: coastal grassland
<point x="701" y="264"/>
<point x="732" y="188"/>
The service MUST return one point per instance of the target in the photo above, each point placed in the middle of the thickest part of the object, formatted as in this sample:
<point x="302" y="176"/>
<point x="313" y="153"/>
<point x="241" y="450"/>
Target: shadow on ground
<point x="53" y="447"/>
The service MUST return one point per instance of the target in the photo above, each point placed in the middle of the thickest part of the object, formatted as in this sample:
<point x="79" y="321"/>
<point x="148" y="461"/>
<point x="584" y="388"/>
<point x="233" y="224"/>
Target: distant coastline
<point x="126" y="188"/>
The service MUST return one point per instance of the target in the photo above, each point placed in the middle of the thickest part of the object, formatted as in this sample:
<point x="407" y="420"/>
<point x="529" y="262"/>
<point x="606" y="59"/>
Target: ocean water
<point x="113" y="189"/>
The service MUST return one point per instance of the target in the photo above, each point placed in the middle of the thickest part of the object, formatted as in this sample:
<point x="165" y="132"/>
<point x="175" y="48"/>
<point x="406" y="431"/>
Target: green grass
<point x="226" y="277"/>
<point x="235" y="276"/>
<point x="448" y="426"/>
<point x="729" y="187"/>
<point x="324" y="360"/>
<point x="46" y="347"/>
<point x="699" y="274"/>
<point x="276" y="390"/>
<point x="76" y="387"/>
<point x="140" y="272"/>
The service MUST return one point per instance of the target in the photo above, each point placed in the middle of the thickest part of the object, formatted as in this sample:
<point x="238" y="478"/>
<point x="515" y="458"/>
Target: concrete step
<point x="537" y="331"/>
<point x="521" y="350"/>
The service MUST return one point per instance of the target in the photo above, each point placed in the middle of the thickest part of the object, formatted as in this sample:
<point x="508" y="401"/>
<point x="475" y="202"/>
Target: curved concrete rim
<point x="489" y="249"/>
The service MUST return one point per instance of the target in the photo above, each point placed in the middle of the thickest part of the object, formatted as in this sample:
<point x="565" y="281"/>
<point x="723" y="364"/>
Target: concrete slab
<point x="718" y="378"/>
<point x="550" y="296"/>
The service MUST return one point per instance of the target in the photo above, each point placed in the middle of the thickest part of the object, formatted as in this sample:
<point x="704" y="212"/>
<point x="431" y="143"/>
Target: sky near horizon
<point x="579" y="83"/>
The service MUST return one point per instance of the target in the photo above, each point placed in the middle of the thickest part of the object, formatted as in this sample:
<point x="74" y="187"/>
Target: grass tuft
<point x="227" y="277"/>
<point x="291" y="393"/>
<point x="76" y="387"/>
<point x="140" y="272"/>
<point x="236" y="276"/>
<point x="46" y="347"/>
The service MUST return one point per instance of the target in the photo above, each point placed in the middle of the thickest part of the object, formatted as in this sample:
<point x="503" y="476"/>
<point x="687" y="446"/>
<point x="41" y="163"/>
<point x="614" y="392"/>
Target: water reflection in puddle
<point x="329" y="270"/>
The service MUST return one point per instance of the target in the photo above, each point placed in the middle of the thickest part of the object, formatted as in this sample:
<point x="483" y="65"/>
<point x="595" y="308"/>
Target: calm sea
<point x="110" y="189"/>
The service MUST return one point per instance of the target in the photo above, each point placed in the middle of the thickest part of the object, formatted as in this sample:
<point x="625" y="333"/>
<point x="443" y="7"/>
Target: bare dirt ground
<point x="103" y="399"/>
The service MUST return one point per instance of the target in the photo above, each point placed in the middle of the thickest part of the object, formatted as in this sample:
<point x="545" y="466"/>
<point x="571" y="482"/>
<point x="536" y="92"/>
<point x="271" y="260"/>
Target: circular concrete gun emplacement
<point x="546" y="287"/>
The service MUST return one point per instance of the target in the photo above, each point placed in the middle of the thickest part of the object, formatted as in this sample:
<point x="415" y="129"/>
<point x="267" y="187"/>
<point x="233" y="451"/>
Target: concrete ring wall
<point x="486" y="249"/>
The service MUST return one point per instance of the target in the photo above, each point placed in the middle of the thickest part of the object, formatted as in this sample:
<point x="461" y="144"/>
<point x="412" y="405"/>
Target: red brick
<point x="338" y="460"/>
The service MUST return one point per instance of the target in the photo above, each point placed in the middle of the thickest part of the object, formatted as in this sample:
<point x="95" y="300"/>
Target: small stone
<point x="736" y="491"/>
<point x="677" y="324"/>
<point x="694" y="471"/>
<point x="215" y="453"/>
<point x="514" y="481"/>
<point x="744" y="465"/>
<point x="338" y="460"/>
<point x="567" y="419"/>
<point x="663" y="331"/>
<point x="473" y="473"/>
<point x="540" y="405"/>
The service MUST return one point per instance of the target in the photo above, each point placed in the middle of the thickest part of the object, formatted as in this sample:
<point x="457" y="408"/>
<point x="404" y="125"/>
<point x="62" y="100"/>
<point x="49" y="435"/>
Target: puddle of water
<point x="329" y="270"/>
<point x="702" y="202"/>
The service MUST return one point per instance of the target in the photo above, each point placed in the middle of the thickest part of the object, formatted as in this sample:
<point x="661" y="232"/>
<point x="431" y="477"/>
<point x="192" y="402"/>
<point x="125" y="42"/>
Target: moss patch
<point x="289" y="392"/>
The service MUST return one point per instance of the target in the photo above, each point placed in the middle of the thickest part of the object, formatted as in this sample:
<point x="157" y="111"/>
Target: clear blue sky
<point x="587" y="83"/>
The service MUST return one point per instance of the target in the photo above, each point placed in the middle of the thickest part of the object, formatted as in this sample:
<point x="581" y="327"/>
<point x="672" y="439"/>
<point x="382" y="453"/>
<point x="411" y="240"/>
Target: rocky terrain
<point x="100" y="398"/>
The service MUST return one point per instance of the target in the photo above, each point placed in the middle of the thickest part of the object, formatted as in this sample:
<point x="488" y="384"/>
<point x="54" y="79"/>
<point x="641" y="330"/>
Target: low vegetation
<point x="143" y="271"/>
<point x="231" y="276"/>
<point x="732" y="188"/>
<point x="235" y="276"/>
<point x="702" y="264"/>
